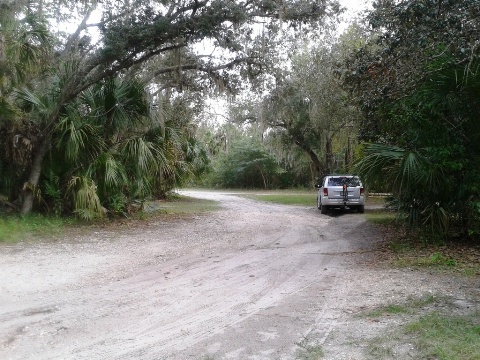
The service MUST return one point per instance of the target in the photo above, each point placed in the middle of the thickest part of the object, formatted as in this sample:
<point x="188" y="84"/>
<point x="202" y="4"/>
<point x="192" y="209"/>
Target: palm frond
<point x="410" y="171"/>
<point x="30" y="99"/>
<point x="114" y="172"/>
<point x="395" y="169"/>
<point x="79" y="140"/>
<point x="141" y="153"/>
<point x="85" y="198"/>
<point x="379" y="165"/>
<point x="108" y="171"/>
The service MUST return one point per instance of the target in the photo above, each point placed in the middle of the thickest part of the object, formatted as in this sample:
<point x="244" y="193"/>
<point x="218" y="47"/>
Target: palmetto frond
<point x="78" y="137"/>
<point x="121" y="104"/>
<point x="395" y="169"/>
<point x="141" y="153"/>
<point x="29" y="99"/>
<point x="86" y="202"/>
<point x="376" y="168"/>
<point x="417" y="183"/>
<point x="109" y="172"/>
<point x="25" y="43"/>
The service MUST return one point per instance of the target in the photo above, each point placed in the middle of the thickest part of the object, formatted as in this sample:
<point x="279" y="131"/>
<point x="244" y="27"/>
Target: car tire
<point x="361" y="209"/>
<point x="323" y="209"/>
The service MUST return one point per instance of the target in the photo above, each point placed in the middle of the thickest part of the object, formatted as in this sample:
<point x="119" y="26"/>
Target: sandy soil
<point x="251" y="281"/>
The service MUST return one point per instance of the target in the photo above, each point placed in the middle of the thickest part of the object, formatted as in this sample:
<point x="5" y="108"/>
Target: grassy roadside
<point x="430" y="330"/>
<point x="179" y="205"/>
<point x="14" y="228"/>
<point x="296" y="197"/>
<point x="434" y="327"/>
<point x="412" y="250"/>
<point x="284" y="197"/>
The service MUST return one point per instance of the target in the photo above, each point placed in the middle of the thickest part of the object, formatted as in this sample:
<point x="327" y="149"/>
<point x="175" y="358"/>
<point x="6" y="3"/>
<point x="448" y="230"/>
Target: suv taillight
<point x="362" y="190"/>
<point x="325" y="192"/>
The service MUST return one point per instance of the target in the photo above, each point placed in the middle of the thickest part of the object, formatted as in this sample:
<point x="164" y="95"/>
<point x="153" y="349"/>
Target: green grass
<point x="435" y="260"/>
<point x="287" y="198"/>
<point x="15" y="228"/>
<point x="438" y="261"/>
<point x="435" y="335"/>
<point x="408" y="307"/>
<point x="309" y="352"/>
<point x="446" y="337"/>
<point x="388" y="310"/>
<point x="381" y="217"/>
<point x="309" y="198"/>
<point x="380" y="350"/>
<point x="181" y="205"/>
<point x="375" y="200"/>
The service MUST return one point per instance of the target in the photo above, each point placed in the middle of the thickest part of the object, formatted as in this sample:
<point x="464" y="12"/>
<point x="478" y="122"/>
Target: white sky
<point x="356" y="5"/>
<point x="354" y="8"/>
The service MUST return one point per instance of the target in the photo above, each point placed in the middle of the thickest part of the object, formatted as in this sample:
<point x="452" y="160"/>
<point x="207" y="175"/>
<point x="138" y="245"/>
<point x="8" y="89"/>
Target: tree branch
<point x="72" y="39"/>
<point x="200" y="67"/>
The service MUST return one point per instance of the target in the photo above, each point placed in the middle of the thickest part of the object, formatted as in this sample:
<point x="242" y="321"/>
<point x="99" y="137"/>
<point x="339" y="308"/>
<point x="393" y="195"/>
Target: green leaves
<point x="418" y="82"/>
<point x="109" y="149"/>
<point x="246" y="165"/>
<point x="421" y="187"/>
<point x="390" y="167"/>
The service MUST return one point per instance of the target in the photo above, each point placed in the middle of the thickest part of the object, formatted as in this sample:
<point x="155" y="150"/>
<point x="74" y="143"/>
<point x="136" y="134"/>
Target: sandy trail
<point x="251" y="281"/>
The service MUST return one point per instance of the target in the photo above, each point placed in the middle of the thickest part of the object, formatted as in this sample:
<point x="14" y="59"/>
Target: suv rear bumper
<point x="340" y="202"/>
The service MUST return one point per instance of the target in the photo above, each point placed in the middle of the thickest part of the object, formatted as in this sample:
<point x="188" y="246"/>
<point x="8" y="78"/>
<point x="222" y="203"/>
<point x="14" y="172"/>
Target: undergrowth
<point x="17" y="228"/>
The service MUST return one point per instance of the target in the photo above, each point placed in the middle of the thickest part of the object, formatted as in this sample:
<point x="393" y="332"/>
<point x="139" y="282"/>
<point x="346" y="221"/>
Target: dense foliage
<point x="418" y="84"/>
<point x="246" y="165"/>
<point x="307" y="111"/>
<point x="97" y="118"/>
<point x="240" y="157"/>
<point x="64" y="148"/>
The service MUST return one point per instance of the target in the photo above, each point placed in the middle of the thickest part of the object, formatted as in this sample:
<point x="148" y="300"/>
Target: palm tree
<point x="24" y="43"/>
<point x="418" y="184"/>
<point x="433" y="169"/>
<point x="110" y="148"/>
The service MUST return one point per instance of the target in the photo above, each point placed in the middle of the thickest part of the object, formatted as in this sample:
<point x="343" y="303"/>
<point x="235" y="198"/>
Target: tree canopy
<point x="98" y="116"/>
<point x="417" y="82"/>
<point x="307" y="108"/>
<point x="49" y="75"/>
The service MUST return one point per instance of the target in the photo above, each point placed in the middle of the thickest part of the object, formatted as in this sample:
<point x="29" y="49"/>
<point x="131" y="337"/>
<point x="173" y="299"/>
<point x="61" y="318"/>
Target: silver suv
<point x="340" y="191"/>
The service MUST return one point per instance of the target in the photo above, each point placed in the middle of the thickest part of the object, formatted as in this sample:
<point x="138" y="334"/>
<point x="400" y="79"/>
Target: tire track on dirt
<point x="165" y="292"/>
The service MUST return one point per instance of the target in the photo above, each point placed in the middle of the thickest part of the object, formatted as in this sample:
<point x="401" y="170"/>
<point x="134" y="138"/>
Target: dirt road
<point x="251" y="281"/>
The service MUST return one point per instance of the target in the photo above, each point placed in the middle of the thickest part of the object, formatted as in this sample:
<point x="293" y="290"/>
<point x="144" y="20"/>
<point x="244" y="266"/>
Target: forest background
<point x="122" y="109"/>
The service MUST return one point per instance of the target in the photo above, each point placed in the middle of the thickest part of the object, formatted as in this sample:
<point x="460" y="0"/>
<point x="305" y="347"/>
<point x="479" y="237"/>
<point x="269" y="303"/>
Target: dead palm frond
<point x="85" y="199"/>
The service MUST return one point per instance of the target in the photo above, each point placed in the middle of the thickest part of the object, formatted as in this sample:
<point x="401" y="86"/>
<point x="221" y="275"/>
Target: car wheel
<point x="361" y="209"/>
<point x="323" y="209"/>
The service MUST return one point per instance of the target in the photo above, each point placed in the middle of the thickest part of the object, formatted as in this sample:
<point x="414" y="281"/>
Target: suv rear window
<point x="339" y="181"/>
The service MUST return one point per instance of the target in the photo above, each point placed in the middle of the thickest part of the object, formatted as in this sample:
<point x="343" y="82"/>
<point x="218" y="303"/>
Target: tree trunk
<point x="329" y="154"/>
<point x="263" y="177"/>
<point x="315" y="160"/>
<point x="348" y="156"/>
<point x="30" y="186"/>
